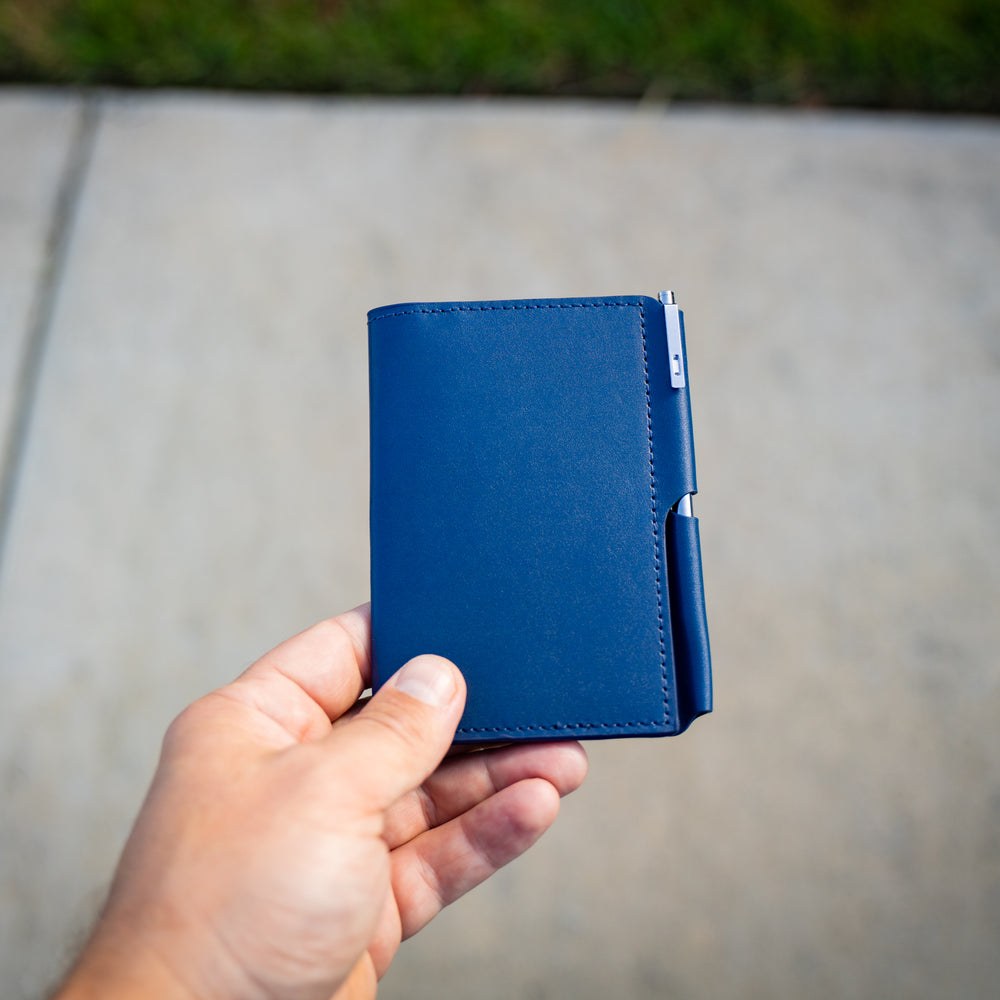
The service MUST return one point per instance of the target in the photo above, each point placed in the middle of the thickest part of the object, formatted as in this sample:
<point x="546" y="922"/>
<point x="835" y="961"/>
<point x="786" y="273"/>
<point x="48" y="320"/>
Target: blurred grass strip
<point x="917" y="54"/>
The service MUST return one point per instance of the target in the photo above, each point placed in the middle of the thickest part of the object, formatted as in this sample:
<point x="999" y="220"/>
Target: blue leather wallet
<point x="532" y="465"/>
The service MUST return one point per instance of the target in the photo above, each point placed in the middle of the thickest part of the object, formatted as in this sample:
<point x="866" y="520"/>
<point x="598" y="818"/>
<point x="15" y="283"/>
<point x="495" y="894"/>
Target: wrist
<point x="115" y="965"/>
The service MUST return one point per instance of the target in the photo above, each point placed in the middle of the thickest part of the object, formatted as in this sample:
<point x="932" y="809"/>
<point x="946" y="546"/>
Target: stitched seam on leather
<point x="656" y="525"/>
<point x="559" y="727"/>
<point x="505" y="308"/>
<point x="627" y="304"/>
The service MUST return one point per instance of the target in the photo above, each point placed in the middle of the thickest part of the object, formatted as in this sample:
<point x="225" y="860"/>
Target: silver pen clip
<point x="675" y="346"/>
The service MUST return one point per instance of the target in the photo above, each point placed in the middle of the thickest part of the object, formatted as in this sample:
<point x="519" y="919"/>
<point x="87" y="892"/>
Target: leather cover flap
<point x="524" y="458"/>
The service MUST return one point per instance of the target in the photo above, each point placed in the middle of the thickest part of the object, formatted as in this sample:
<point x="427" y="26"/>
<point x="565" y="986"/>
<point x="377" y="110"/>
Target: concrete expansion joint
<point x="57" y="242"/>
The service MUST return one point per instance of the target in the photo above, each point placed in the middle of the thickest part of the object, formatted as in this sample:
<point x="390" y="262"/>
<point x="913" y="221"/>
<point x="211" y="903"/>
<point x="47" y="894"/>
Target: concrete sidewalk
<point x="183" y="288"/>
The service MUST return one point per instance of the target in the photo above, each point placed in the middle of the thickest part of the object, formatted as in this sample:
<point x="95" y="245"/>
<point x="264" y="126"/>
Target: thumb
<point x="402" y="734"/>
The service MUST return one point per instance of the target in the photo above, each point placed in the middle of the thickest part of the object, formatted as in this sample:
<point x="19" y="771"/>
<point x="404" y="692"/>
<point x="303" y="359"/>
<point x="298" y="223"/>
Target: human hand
<point x="291" y="840"/>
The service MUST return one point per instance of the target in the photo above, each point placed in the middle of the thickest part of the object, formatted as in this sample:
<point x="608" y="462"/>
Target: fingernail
<point x="429" y="679"/>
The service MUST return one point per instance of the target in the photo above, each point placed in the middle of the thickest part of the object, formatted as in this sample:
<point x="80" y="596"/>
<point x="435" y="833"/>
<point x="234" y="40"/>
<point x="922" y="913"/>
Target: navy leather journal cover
<point x="526" y="457"/>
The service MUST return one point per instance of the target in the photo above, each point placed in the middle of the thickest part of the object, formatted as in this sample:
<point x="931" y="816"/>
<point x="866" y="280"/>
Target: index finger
<point x="313" y="678"/>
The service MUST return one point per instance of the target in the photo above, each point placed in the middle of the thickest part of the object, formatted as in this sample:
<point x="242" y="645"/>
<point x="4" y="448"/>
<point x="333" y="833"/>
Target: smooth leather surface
<point x="524" y="457"/>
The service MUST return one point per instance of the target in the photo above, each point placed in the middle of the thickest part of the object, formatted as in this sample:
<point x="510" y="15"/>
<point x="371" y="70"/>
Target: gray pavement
<point x="183" y="396"/>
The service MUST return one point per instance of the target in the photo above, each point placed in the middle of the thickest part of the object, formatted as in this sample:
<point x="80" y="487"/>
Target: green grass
<point x="919" y="54"/>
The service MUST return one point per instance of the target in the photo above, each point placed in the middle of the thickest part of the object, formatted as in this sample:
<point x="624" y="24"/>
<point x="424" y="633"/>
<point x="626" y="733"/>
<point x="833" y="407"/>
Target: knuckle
<point x="400" y="727"/>
<point x="187" y="723"/>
